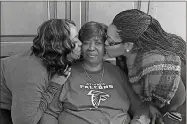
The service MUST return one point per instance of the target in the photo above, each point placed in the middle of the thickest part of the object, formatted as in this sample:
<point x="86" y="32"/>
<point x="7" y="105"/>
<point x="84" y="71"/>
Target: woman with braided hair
<point x="155" y="61"/>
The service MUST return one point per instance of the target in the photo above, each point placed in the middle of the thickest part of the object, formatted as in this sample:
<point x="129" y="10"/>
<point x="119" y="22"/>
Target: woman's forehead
<point x="73" y="31"/>
<point x="95" y="38"/>
<point x="112" y="31"/>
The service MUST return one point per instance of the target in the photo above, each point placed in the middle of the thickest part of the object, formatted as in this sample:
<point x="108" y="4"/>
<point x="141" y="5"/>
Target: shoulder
<point x="113" y="69"/>
<point x="110" y="66"/>
<point x="76" y="66"/>
<point x="156" y="63"/>
<point x="156" y="57"/>
<point x="25" y="67"/>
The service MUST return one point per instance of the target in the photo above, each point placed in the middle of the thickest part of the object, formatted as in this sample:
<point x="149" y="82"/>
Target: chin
<point x="76" y="57"/>
<point x="95" y="62"/>
<point x="111" y="56"/>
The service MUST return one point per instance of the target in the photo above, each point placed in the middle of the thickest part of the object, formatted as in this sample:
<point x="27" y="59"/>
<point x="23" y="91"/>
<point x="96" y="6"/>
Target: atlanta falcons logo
<point x="97" y="97"/>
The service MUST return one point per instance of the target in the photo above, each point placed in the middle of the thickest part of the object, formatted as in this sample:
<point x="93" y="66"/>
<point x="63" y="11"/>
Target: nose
<point x="92" y="46"/>
<point x="79" y="43"/>
<point x="106" y="43"/>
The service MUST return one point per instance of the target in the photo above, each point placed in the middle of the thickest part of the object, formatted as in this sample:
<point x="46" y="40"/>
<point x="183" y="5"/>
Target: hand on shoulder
<point x="61" y="79"/>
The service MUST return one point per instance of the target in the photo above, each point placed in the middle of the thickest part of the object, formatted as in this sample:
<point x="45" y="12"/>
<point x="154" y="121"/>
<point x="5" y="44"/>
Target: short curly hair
<point x="93" y="29"/>
<point x="52" y="44"/>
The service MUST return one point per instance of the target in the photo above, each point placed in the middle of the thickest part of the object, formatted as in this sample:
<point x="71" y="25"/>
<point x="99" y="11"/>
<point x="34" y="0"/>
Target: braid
<point x="147" y="34"/>
<point x="156" y="38"/>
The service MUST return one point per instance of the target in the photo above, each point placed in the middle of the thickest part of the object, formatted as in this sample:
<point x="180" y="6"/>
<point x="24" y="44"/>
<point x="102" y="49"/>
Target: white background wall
<point x="23" y="18"/>
<point x="171" y="15"/>
<point x="105" y="11"/>
<point x="18" y="18"/>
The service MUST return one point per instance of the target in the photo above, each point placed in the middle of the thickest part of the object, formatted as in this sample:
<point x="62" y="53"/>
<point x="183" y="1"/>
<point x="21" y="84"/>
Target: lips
<point x="77" y="51"/>
<point x="74" y="56"/>
<point x="92" y="54"/>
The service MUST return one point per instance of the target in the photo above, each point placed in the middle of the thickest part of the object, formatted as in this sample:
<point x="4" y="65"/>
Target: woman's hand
<point x="156" y="116"/>
<point x="62" y="79"/>
<point x="142" y="119"/>
<point x="122" y="118"/>
<point x="133" y="121"/>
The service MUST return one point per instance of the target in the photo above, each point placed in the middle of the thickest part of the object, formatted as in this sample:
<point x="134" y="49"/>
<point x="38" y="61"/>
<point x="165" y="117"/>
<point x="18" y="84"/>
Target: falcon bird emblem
<point x="97" y="97"/>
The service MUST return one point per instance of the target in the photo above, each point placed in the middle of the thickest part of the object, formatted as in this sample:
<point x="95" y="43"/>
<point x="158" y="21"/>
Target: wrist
<point x="142" y="111"/>
<point x="142" y="119"/>
<point x="173" y="116"/>
<point x="55" y="84"/>
<point x="134" y="121"/>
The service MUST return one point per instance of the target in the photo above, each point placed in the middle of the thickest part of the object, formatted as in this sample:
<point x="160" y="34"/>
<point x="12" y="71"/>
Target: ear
<point x="128" y="46"/>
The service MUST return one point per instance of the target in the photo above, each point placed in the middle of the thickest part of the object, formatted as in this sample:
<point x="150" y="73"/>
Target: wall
<point x="171" y="15"/>
<point x="105" y="11"/>
<point x="19" y="20"/>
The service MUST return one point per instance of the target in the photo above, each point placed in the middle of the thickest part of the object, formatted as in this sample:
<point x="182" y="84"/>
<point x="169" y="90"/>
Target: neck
<point x="130" y="57"/>
<point x="92" y="67"/>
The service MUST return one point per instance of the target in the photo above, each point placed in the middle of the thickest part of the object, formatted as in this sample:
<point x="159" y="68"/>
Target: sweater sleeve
<point x="52" y="110"/>
<point x="55" y="107"/>
<point x="31" y="98"/>
<point x="136" y="106"/>
<point x="159" y="76"/>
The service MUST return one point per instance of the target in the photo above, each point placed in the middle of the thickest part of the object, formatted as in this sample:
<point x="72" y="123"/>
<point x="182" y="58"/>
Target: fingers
<point x="67" y="71"/>
<point x="75" y="47"/>
<point x="63" y="78"/>
<point x="153" y="120"/>
<point x="160" y="120"/>
<point x="66" y="68"/>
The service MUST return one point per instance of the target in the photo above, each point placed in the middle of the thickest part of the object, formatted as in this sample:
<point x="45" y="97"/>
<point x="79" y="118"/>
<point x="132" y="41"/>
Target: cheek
<point x="83" y="49"/>
<point x="101" y="50"/>
<point x="76" y="47"/>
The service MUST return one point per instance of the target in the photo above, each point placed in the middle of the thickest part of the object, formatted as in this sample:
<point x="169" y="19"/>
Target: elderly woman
<point x="26" y="89"/>
<point x="96" y="92"/>
<point x="155" y="60"/>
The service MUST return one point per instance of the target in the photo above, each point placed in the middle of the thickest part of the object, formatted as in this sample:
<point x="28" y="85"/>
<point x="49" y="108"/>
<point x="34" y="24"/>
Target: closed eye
<point x="85" y="43"/>
<point x="98" y="43"/>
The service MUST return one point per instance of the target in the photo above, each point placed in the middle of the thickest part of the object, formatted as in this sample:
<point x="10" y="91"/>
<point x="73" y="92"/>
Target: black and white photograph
<point x="93" y="62"/>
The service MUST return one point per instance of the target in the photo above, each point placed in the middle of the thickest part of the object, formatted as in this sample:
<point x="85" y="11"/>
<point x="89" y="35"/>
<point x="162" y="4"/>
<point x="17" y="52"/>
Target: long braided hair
<point x="52" y="44"/>
<point x="147" y="34"/>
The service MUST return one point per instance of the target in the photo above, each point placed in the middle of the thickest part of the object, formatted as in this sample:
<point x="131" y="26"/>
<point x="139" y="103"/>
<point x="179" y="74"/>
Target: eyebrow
<point x="97" y="40"/>
<point x="110" y="38"/>
<point x="76" y="36"/>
